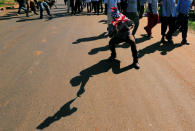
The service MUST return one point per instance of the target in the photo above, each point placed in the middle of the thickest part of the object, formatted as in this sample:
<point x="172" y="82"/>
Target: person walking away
<point x="167" y="20"/>
<point x="42" y="5"/>
<point x="132" y="14"/>
<point x="152" y="15"/>
<point x="183" y="9"/>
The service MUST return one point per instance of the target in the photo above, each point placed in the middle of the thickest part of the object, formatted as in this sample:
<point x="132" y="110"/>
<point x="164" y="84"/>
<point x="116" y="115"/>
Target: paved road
<point x="45" y="63"/>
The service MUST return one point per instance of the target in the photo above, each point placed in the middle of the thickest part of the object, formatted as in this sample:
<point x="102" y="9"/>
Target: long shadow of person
<point x="141" y="39"/>
<point x="106" y="48"/>
<point x="64" y="111"/>
<point x="124" y="45"/>
<point x="101" y="36"/>
<point x="100" y="67"/>
<point x="163" y="48"/>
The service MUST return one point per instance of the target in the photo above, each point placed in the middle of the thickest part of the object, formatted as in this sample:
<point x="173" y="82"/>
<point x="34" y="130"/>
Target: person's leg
<point x="28" y="7"/>
<point x="136" y="21"/>
<point x="141" y="11"/>
<point x="41" y="9"/>
<point x="109" y="18"/>
<point x="95" y="6"/>
<point x="112" y="44"/>
<point x="20" y="7"/>
<point x="154" y="21"/>
<point x="98" y="7"/>
<point x="47" y="8"/>
<point x="68" y="6"/>
<point x="163" y="28"/>
<point x="171" y="23"/>
<point x="184" y="28"/>
<point x="150" y="22"/>
<point x="33" y="8"/>
<point x="131" y="41"/>
<point x="106" y="6"/>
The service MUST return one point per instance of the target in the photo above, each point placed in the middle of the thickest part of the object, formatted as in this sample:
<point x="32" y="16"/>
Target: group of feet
<point x="168" y="38"/>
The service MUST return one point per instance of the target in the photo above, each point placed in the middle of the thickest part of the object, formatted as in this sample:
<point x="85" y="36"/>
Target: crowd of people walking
<point x="173" y="15"/>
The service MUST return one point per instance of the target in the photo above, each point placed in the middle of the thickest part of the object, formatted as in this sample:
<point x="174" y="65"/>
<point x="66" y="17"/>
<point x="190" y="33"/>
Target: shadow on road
<point x="158" y="46"/>
<point x="101" y="67"/>
<point x="103" y="21"/>
<point x="141" y="39"/>
<point x="10" y="15"/>
<point x="82" y="79"/>
<point x="63" y="112"/>
<point x="106" y="48"/>
<point x="101" y="36"/>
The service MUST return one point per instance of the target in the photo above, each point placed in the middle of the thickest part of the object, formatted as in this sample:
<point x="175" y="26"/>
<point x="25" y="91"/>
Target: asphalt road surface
<point x="45" y="64"/>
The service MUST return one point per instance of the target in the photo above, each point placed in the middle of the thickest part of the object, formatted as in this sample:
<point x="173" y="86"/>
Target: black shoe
<point x="136" y="65"/>
<point x="184" y="41"/>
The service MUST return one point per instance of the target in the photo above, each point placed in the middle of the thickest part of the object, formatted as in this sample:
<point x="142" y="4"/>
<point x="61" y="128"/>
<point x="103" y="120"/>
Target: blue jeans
<point x="42" y="5"/>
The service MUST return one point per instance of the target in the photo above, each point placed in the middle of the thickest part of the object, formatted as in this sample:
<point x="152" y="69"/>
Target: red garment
<point x="153" y="19"/>
<point x="121" y="18"/>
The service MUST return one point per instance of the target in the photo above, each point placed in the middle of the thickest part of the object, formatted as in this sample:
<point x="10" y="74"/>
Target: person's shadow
<point x="101" y="67"/>
<point x="123" y="45"/>
<point x="106" y="48"/>
<point x="101" y="36"/>
<point x="64" y="111"/>
<point x="164" y="48"/>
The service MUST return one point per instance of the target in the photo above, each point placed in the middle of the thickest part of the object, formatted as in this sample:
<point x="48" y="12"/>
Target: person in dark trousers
<point x="72" y="5"/>
<point x="21" y="6"/>
<point x="153" y="16"/>
<point x="106" y="6"/>
<point x="78" y="6"/>
<point x="183" y="9"/>
<point x="141" y="11"/>
<point x="123" y="5"/>
<point x="42" y="5"/>
<point x="168" y="20"/>
<point x="96" y="6"/>
<point x="119" y="31"/>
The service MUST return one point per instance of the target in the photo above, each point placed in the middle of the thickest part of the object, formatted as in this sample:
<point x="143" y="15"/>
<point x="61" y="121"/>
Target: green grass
<point x="192" y="24"/>
<point x="4" y="3"/>
<point x="192" y="20"/>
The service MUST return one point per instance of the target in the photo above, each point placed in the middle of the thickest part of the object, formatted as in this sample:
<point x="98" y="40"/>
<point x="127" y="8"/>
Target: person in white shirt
<point x="153" y="16"/>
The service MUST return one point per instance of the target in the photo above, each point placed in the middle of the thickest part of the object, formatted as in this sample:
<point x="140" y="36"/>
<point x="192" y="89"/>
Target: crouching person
<point x="43" y="4"/>
<point x="119" y="31"/>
